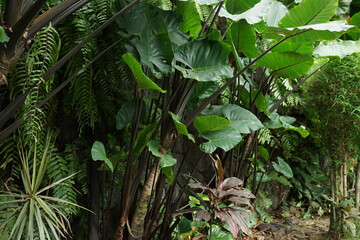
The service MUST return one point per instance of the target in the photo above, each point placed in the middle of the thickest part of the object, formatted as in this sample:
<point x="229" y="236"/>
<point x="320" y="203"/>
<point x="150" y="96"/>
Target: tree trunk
<point x="345" y="182"/>
<point x="137" y="223"/>
<point x="357" y="188"/>
<point x="95" y="204"/>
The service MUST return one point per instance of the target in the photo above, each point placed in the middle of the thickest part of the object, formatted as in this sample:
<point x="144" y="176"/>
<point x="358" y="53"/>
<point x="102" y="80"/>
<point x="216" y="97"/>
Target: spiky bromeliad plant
<point x="224" y="204"/>
<point x="29" y="210"/>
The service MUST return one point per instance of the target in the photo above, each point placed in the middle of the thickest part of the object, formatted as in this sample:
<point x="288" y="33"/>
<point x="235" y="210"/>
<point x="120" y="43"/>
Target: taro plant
<point x="226" y="204"/>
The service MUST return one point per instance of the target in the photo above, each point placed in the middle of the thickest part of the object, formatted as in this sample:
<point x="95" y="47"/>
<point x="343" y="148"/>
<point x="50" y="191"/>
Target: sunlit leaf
<point x="98" y="153"/>
<point x="286" y="64"/>
<point x="310" y="33"/>
<point x="337" y="48"/>
<point x="244" y="38"/>
<point x="191" y="23"/>
<point x="309" y="12"/>
<point x="276" y="12"/>
<point x="143" y="81"/>
<point x="252" y="16"/>
<point x="225" y="139"/>
<point x="242" y="120"/>
<point x="211" y="123"/>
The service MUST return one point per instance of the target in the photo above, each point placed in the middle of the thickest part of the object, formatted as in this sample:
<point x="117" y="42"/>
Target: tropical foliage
<point x="131" y="96"/>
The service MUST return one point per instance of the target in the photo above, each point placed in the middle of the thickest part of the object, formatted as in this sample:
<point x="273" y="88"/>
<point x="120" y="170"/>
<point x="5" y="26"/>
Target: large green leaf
<point x="125" y="115"/>
<point x="276" y="12"/>
<point x="225" y="139"/>
<point x="98" y="153"/>
<point x="156" y="52"/>
<point x="242" y="120"/>
<point x="286" y="64"/>
<point x="288" y="46"/>
<point x="180" y="127"/>
<point x="309" y="12"/>
<point x="204" y="61"/>
<point x="166" y="159"/>
<point x="252" y="16"/>
<point x="191" y="23"/>
<point x="143" y="81"/>
<point x="261" y="102"/>
<point x="143" y="138"/>
<point x="277" y="121"/>
<point x="211" y="123"/>
<point x="3" y="36"/>
<point x="337" y="48"/>
<point x="355" y="20"/>
<point x="237" y="7"/>
<point x="310" y="33"/>
<point x="244" y="38"/>
<point x="282" y="167"/>
<point x="208" y="2"/>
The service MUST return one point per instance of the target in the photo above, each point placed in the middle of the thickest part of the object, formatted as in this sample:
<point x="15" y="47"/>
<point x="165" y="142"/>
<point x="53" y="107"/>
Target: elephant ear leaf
<point x="143" y="81"/>
<point x="286" y="64"/>
<point x="338" y="48"/>
<point x="309" y="12"/>
<point x="203" y="60"/>
<point x="98" y="153"/>
<point x="242" y="120"/>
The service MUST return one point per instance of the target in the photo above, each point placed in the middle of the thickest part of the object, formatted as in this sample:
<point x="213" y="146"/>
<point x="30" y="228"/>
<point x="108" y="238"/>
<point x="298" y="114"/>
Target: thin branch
<point x="63" y="9"/>
<point x="6" y="132"/>
<point x="278" y="103"/>
<point x="20" y="26"/>
<point x="12" y="14"/>
<point x="213" y="96"/>
<point x="72" y="52"/>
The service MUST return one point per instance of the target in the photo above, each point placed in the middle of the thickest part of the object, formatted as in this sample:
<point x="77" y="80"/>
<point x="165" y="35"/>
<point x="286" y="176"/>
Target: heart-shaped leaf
<point x="204" y="61"/>
<point x="166" y="159"/>
<point x="242" y="120"/>
<point x="211" y="123"/>
<point x="98" y="153"/>
<point x="225" y="139"/>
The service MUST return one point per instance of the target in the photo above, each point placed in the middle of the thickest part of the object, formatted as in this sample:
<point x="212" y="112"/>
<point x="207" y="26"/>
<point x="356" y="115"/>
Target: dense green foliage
<point x="116" y="120"/>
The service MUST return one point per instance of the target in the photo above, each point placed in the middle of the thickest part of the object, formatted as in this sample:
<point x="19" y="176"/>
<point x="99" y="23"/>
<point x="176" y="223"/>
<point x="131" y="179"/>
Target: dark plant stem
<point x="73" y="51"/>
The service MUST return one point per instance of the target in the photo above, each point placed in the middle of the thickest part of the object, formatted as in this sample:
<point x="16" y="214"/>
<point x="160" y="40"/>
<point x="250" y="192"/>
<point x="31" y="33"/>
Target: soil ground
<point x="293" y="228"/>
